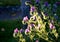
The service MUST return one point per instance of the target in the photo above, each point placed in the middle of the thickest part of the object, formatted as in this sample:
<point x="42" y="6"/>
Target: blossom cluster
<point x="37" y="26"/>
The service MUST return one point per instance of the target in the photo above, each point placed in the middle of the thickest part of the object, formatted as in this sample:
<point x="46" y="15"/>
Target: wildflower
<point x="46" y="4"/>
<point x="46" y="14"/>
<point x="32" y="25"/>
<point x="32" y="9"/>
<point x="27" y="31"/>
<point x="21" y="30"/>
<point x="16" y="30"/>
<point x="25" y="19"/>
<point x="37" y="1"/>
<point x="37" y="40"/>
<point x="51" y="26"/>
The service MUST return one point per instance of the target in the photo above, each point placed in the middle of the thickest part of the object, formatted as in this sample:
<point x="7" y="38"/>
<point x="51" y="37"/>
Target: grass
<point x="9" y="26"/>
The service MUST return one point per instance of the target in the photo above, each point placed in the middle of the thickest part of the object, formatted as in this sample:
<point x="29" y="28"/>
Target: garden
<point x="39" y="21"/>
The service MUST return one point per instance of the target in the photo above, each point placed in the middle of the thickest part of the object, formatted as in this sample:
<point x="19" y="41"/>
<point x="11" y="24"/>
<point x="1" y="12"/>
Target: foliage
<point x="6" y="29"/>
<point x="9" y="2"/>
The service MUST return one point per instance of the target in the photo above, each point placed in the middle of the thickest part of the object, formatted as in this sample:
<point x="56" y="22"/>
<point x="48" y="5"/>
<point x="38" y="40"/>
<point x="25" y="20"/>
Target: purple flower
<point x="37" y="41"/>
<point x="32" y="25"/>
<point x="16" y="30"/>
<point x="46" y="14"/>
<point x="46" y="4"/>
<point x="37" y="1"/>
<point x="27" y="30"/>
<point x="21" y="30"/>
<point x="25" y="19"/>
<point x="51" y="26"/>
<point x="32" y="9"/>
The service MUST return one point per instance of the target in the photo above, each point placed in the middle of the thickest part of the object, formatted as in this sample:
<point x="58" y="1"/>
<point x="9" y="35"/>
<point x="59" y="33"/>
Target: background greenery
<point x="9" y="2"/>
<point x="9" y="26"/>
